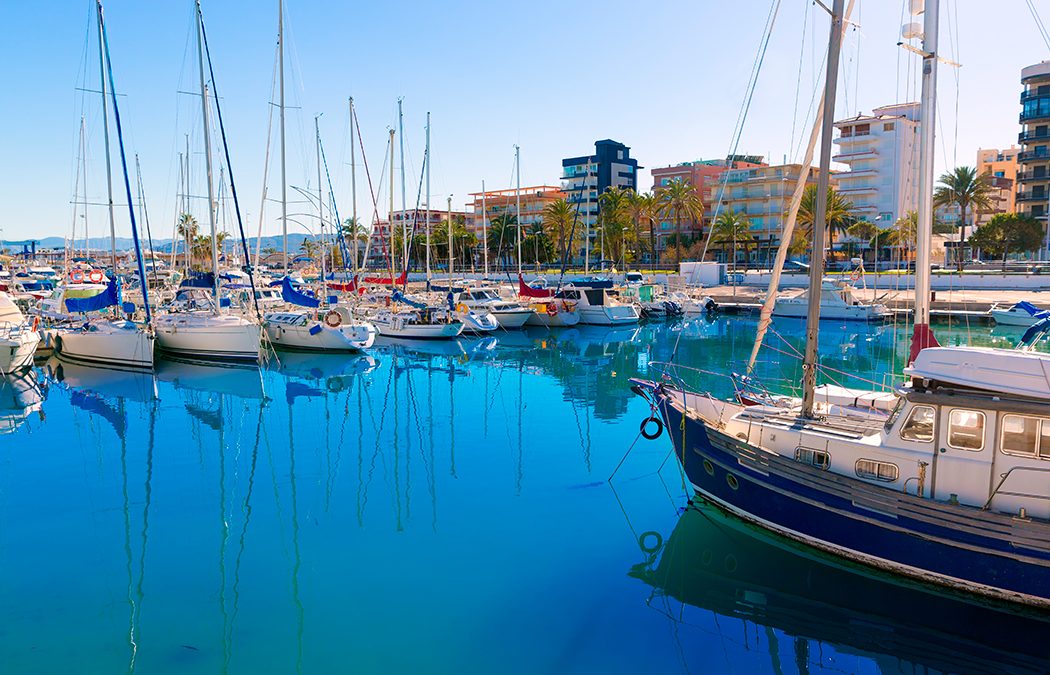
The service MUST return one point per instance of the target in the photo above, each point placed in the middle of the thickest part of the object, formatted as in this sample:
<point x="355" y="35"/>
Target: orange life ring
<point x="552" y="309"/>
<point x="96" y="277"/>
<point x="332" y="319"/>
<point x="76" y="276"/>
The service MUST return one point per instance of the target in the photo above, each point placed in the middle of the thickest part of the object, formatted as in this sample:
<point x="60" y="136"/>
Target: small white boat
<point x="1019" y="314"/>
<point x="203" y="334"/>
<point x="553" y="313"/>
<point x="693" y="305"/>
<point x="476" y="321"/>
<point x="426" y="323"/>
<point x="18" y="338"/>
<point x="336" y="331"/>
<point x="509" y="313"/>
<point x="837" y="303"/>
<point x="600" y="306"/>
<point x="113" y="344"/>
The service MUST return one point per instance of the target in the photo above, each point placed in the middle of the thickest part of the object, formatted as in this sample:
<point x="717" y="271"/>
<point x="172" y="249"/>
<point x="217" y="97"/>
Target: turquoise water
<point x="431" y="508"/>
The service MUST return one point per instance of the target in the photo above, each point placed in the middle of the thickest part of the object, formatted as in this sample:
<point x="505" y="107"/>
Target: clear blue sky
<point x="665" y="78"/>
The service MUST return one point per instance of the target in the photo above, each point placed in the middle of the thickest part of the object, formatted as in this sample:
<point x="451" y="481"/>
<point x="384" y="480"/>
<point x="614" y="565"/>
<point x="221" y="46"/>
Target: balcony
<point x="856" y="173"/>
<point x="1032" y="176"/>
<point x="1032" y="94"/>
<point x="1032" y="196"/>
<point x="848" y="157"/>
<point x="1032" y="135"/>
<point x="1034" y="156"/>
<point x="855" y="138"/>
<point x="1028" y="116"/>
<point x="858" y="190"/>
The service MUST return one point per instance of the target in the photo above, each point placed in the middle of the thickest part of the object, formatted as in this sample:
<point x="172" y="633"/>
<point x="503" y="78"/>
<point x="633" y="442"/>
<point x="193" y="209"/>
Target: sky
<point x="668" y="79"/>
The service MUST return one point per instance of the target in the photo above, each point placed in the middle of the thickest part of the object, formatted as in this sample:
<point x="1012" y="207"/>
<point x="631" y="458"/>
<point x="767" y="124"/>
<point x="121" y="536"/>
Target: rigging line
<point x="798" y="79"/>
<point x="229" y="165"/>
<point x="774" y="11"/>
<point x="1039" y="23"/>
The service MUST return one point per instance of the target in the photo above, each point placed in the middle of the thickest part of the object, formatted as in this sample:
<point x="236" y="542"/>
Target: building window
<point x="817" y="458"/>
<point x="966" y="429"/>
<point x="874" y="470"/>
<point x="889" y="126"/>
<point x="919" y="425"/>
<point x="619" y="154"/>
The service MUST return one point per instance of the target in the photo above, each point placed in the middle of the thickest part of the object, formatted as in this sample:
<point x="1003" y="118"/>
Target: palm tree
<point x="731" y="228"/>
<point x="612" y="208"/>
<point x="188" y="229"/>
<point x="902" y="234"/>
<point x="680" y="200"/>
<point x="641" y="207"/>
<point x="865" y="231"/>
<point x="839" y="216"/>
<point x="558" y="219"/>
<point x="965" y="189"/>
<point x="353" y="230"/>
<point x="502" y="232"/>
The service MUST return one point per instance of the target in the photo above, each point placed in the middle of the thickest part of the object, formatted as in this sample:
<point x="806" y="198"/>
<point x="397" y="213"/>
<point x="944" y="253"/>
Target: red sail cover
<point x="527" y="291"/>
<point x="922" y="338"/>
<point x="387" y="280"/>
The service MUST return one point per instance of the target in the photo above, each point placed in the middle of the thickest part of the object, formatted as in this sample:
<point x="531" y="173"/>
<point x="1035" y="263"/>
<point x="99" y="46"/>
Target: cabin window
<point x="818" y="458"/>
<point x="875" y="470"/>
<point x="1026" y="436"/>
<point x="966" y="429"/>
<point x="919" y="425"/>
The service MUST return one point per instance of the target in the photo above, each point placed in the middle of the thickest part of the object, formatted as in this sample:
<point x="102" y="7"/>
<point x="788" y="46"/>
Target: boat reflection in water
<point x="335" y="371"/>
<point x="107" y="383"/>
<point x="234" y="379"/>
<point x="715" y="562"/>
<point x="21" y="395"/>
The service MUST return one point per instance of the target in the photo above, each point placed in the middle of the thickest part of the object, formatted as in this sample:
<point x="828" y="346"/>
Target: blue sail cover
<point x="398" y="296"/>
<point x="1031" y="309"/>
<point x="293" y="296"/>
<point x="107" y="298"/>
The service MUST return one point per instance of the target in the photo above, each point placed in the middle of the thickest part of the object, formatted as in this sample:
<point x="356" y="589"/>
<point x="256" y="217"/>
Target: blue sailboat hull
<point x="959" y="547"/>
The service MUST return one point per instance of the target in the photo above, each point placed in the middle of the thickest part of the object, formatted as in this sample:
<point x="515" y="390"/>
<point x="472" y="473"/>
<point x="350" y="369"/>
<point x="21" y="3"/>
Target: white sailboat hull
<point x="1008" y="317"/>
<point x="118" y="344"/>
<point x="208" y="336"/>
<point x="562" y="319"/>
<point x="606" y="315"/>
<point x="436" y="331"/>
<point x="17" y="350"/>
<point x="317" y="336"/>
<point x="514" y="318"/>
<point x="793" y="308"/>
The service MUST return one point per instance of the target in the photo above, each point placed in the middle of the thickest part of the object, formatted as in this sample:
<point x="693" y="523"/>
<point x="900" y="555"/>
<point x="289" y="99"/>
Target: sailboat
<point x="339" y="331"/>
<point x="116" y="342"/>
<point x="18" y="338"/>
<point x="204" y="330"/>
<point x="949" y="490"/>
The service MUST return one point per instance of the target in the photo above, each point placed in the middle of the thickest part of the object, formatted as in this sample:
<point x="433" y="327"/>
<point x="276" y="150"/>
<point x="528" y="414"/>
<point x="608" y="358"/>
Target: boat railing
<point x="1002" y="481"/>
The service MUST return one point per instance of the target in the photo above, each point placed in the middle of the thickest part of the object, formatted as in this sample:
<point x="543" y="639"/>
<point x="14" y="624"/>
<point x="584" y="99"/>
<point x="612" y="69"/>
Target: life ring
<point x="96" y="277"/>
<point x="855" y="275"/>
<point x="644" y="428"/>
<point x="552" y="309"/>
<point x="646" y="547"/>
<point x="76" y="276"/>
<point x="332" y="319"/>
<point x="462" y="308"/>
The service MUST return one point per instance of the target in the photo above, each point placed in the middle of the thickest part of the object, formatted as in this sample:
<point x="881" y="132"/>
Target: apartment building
<point x="1001" y="166"/>
<point x="880" y="152"/>
<point x="584" y="178"/>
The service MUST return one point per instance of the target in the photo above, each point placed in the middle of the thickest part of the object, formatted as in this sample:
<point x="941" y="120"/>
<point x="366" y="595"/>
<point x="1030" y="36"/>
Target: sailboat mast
<point x="485" y="227"/>
<point x="927" y="129"/>
<point x="517" y="199"/>
<point x="427" y="168"/>
<point x="404" y="206"/>
<point x="353" y="183"/>
<point x="83" y="185"/>
<point x="390" y="214"/>
<point x="320" y="205"/>
<point x="816" y="267"/>
<point x="105" y="131"/>
<point x="207" y="159"/>
<point x="450" y="255"/>
<point x="284" y="177"/>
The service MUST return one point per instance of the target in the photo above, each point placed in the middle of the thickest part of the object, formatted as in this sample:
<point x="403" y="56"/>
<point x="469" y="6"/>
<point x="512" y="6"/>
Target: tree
<point x="965" y="189"/>
<point x="188" y="229"/>
<point x="355" y="234"/>
<point x="613" y="222"/>
<point x="730" y="229"/>
<point x="1007" y="232"/>
<point x="680" y="200"/>
<point x="839" y="217"/>
<point x="901" y="234"/>
<point x="538" y="243"/>
<point x="502" y="232"/>
<point x="642" y="207"/>
<point x="558" y="220"/>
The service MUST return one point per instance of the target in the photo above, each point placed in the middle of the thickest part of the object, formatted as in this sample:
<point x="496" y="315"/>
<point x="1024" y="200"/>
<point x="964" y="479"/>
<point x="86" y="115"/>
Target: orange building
<point x="1001" y="165"/>
<point x="534" y="200"/>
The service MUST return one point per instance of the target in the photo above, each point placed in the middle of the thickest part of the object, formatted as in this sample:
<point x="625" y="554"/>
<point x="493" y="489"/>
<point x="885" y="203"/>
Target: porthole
<point x="733" y="482"/>
<point x="709" y="467"/>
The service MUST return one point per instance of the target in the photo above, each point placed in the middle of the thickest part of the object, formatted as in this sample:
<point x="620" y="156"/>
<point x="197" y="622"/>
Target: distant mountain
<point x="295" y="240"/>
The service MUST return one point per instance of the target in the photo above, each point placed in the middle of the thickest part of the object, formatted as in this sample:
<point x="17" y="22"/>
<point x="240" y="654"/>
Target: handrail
<point x="1002" y="480"/>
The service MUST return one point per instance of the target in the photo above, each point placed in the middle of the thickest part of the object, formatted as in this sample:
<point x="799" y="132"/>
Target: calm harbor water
<point x="434" y="507"/>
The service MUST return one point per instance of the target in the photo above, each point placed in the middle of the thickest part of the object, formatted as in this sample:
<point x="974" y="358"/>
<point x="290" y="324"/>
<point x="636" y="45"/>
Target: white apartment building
<point x="881" y="153"/>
